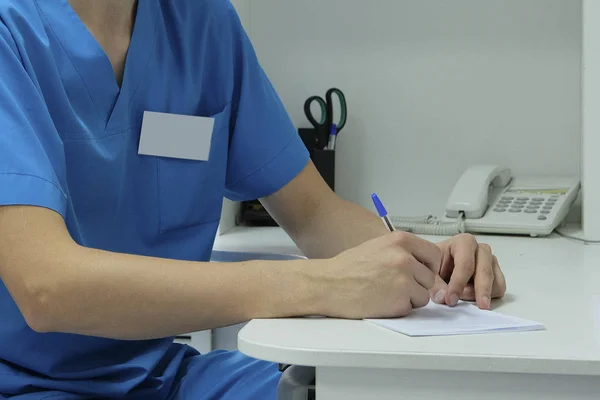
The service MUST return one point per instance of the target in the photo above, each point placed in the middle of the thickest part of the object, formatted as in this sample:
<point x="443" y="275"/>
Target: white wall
<point x="432" y="85"/>
<point x="243" y="10"/>
<point x="591" y="120"/>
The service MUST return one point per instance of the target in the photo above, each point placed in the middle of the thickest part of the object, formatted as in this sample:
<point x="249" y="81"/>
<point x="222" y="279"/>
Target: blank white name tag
<point x="176" y="136"/>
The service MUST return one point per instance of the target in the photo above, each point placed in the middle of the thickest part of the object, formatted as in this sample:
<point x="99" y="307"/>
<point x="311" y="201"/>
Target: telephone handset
<point x="470" y="195"/>
<point x="488" y="199"/>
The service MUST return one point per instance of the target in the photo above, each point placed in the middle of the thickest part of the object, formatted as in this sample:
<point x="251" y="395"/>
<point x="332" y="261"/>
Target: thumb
<point x="438" y="291"/>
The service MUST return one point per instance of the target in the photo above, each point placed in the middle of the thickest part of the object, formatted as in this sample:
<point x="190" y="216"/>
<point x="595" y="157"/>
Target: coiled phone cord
<point x="429" y="225"/>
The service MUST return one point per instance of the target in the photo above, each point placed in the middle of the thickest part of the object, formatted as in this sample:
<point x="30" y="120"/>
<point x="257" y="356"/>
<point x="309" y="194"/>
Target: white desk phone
<point x="488" y="199"/>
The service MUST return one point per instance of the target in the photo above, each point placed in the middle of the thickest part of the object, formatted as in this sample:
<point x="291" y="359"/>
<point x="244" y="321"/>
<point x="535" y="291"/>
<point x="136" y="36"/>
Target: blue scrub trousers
<point x="228" y="376"/>
<point x="219" y="375"/>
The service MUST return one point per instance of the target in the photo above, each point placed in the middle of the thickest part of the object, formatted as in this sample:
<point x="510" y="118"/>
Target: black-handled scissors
<point x="324" y="124"/>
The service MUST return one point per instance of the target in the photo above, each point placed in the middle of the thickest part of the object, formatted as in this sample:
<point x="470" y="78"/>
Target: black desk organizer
<point x="324" y="160"/>
<point x="254" y="214"/>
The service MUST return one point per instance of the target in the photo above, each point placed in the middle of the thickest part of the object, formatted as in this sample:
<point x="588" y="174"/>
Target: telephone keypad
<point x="535" y="205"/>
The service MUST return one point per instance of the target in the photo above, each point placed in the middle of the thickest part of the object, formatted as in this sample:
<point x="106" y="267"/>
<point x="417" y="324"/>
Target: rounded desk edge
<point x="250" y="345"/>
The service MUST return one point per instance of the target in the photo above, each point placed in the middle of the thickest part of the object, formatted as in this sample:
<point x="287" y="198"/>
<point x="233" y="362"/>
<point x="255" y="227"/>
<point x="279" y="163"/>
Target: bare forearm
<point x="320" y="222"/>
<point x="337" y="226"/>
<point x="118" y="296"/>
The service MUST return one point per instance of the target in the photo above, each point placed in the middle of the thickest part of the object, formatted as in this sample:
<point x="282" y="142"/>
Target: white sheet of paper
<point x="176" y="136"/>
<point x="464" y="319"/>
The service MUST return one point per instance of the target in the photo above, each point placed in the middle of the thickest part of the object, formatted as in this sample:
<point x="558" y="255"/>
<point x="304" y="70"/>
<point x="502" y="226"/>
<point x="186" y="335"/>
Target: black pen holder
<point x="323" y="159"/>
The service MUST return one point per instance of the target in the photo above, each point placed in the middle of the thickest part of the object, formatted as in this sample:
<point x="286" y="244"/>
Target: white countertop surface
<point x="550" y="280"/>
<point x="257" y="239"/>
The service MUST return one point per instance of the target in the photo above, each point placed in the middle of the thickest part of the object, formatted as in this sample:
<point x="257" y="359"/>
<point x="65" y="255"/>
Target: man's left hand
<point x="470" y="272"/>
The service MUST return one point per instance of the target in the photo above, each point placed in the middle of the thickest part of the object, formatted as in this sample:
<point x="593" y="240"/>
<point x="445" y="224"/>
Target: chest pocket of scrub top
<point x="191" y="192"/>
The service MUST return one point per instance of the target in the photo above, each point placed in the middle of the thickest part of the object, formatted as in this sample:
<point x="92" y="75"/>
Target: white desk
<point x="551" y="281"/>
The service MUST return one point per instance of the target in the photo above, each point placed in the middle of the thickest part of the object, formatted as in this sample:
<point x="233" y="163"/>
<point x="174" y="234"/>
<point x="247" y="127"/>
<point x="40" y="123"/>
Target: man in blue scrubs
<point x="103" y="246"/>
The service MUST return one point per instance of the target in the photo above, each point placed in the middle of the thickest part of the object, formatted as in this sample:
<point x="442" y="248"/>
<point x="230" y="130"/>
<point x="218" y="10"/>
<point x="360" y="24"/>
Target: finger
<point x="464" y="253"/>
<point x="419" y="296"/>
<point x="421" y="274"/>
<point x="468" y="293"/>
<point x="425" y="252"/>
<point x="499" y="288"/>
<point x="484" y="277"/>
<point x="439" y="291"/>
<point x="447" y="265"/>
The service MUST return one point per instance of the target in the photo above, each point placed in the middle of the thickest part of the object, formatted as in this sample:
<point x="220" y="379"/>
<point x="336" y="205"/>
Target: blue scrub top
<point x="69" y="139"/>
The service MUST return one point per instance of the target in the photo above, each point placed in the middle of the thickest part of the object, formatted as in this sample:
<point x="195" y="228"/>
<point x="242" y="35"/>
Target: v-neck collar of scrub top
<point x="92" y="63"/>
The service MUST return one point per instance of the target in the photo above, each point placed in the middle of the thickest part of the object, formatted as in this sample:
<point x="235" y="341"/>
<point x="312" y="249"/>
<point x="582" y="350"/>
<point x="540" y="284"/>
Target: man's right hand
<point x="386" y="277"/>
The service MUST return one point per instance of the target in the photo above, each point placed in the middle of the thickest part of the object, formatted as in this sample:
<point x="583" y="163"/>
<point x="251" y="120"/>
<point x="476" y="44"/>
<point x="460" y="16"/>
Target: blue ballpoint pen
<point x="382" y="212"/>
